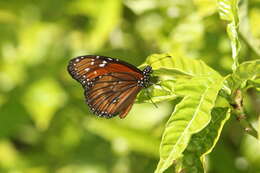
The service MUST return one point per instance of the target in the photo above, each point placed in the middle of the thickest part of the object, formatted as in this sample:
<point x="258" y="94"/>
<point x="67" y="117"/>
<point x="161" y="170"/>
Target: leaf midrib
<point x="189" y="124"/>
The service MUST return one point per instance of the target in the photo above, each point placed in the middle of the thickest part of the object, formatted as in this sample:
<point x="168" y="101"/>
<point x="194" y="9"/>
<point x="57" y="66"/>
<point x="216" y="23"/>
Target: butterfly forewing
<point x="110" y="85"/>
<point x="90" y="67"/>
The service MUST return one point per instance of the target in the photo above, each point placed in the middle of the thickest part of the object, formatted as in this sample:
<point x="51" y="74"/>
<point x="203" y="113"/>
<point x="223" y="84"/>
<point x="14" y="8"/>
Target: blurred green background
<point x="45" y="126"/>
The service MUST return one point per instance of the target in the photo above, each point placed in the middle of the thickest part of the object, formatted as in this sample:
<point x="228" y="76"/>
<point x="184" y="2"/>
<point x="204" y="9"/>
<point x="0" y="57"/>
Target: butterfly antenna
<point x="167" y="56"/>
<point x="147" y="94"/>
<point x="160" y="86"/>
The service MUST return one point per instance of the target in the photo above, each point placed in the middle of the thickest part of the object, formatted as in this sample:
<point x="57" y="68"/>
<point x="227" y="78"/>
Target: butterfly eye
<point x="110" y="85"/>
<point x="147" y="70"/>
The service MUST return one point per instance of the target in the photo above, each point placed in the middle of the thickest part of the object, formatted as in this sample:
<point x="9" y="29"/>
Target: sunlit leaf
<point x="190" y="116"/>
<point x="202" y="143"/>
<point x="42" y="100"/>
<point x="162" y="91"/>
<point x="247" y="73"/>
<point x="199" y="85"/>
<point x="249" y="70"/>
<point x="177" y="67"/>
<point x="228" y="10"/>
<point x="168" y="68"/>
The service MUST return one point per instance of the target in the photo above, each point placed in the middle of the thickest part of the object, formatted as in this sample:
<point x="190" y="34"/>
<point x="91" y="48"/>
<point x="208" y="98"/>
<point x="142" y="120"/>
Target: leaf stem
<point x="240" y="114"/>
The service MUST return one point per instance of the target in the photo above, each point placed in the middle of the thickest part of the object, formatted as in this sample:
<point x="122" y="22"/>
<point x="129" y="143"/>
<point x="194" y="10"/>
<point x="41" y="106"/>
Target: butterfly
<point x="111" y="85"/>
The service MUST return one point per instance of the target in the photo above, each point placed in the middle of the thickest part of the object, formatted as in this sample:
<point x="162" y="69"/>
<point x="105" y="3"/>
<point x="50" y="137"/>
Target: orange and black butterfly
<point x="110" y="85"/>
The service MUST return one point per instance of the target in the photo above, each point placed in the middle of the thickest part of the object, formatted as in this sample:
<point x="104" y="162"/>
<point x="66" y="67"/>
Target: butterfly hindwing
<point x="110" y="91"/>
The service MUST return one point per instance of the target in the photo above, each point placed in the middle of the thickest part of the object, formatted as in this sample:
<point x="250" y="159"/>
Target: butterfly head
<point x="147" y="70"/>
<point x="145" y="81"/>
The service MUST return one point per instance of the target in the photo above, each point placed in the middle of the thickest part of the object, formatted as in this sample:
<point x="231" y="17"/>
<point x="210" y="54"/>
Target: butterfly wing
<point x="112" y="94"/>
<point x="110" y="85"/>
<point x="86" y="68"/>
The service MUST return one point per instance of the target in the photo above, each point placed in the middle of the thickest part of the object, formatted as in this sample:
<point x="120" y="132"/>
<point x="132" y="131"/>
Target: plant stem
<point x="240" y="114"/>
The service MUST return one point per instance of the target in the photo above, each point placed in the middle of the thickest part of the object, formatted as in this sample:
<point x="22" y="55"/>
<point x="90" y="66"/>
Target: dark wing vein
<point x="112" y="74"/>
<point x="105" y="107"/>
<point x="107" y="92"/>
<point x="127" y="73"/>
<point x="117" y="94"/>
<point x="97" y="110"/>
<point x="115" y="81"/>
<point x="106" y="86"/>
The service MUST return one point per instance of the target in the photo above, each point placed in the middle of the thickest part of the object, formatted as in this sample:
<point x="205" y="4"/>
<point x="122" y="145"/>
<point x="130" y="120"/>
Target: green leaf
<point x="166" y="65"/>
<point x="246" y="75"/>
<point x="199" y="85"/>
<point x="163" y="91"/>
<point x="202" y="143"/>
<point x="249" y="70"/>
<point x="190" y="116"/>
<point x="169" y="68"/>
<point x="228" y="10"/>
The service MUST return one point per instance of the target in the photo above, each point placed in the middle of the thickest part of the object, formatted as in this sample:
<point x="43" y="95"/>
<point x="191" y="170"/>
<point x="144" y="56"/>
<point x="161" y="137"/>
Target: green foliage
<point x="202" y="143"/>
<point x="190" y="116"/>
<point x="199" y="85"/>
<point x="228" y="10"/>
<point x="248" y="73"/>
<point x="245" y="28"/>
<point x="206" y="85"/>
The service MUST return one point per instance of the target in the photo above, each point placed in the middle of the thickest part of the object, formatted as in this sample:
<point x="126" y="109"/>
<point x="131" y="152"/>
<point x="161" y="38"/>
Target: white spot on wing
<point x="77" y="60"/>
<point x="87" y="69"/>
<point x="92" y="63"/>
<point x="102" y="65"/>
<point x="114" y="100"/>
<point x="95" y="72"/>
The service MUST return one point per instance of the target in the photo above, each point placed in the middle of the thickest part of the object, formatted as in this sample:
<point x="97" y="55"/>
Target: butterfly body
<point x="110" y="85"/>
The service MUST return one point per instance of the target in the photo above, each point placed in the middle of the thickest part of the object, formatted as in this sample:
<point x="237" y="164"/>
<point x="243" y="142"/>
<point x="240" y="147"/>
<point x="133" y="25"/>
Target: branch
<point x="240" y="114"/>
